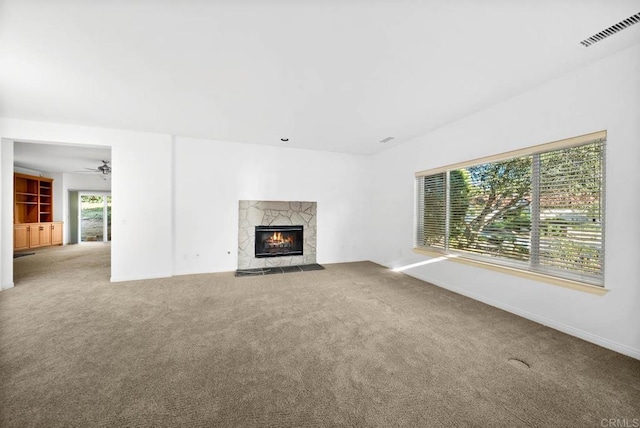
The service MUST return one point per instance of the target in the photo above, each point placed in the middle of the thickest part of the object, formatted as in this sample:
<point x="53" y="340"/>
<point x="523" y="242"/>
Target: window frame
<point x="504" y="265"/>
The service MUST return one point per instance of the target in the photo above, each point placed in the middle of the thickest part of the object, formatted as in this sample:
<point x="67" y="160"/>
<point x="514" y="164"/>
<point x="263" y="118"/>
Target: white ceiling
<point x="59" y="158"/>
<point x="329" y="75"/>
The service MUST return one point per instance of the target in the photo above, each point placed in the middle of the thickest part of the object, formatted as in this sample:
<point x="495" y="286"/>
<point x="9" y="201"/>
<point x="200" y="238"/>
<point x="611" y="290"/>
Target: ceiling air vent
<point x="386" y="140"/>
<point x="633" y="19"/>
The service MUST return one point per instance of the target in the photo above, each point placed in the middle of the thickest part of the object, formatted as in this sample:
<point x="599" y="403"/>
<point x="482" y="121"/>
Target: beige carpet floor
<point x="352" y="345"/>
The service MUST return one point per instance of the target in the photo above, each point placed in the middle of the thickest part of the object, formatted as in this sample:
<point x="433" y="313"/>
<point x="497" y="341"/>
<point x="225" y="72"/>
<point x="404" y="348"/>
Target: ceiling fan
<point x="104" y="168"/>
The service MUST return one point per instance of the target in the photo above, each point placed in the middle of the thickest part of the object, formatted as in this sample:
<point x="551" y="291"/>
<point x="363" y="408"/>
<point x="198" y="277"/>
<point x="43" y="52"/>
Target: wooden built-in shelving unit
<point x="33" y="224"/>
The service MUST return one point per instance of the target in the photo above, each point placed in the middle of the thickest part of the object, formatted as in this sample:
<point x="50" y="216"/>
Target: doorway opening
<point x="95" y="217"/>
<point x="74" y="169"/>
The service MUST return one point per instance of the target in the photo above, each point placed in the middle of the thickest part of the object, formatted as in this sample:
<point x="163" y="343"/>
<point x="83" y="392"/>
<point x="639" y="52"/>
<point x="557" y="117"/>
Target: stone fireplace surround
<point x="275" y="213"/>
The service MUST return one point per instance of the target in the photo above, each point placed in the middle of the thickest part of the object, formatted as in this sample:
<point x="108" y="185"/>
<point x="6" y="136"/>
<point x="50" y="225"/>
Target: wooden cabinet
<point x="33" y="213"/>
<point x="33" y="199"/>
<point x="45" y="198"/>
<point x="45" y="234"/>
<point x="33" y="235"/>
<point x="20" y="237"/>
<point x="56" y="233"/>
<point x="39" y="235"/>
<point x="26" y="209"/>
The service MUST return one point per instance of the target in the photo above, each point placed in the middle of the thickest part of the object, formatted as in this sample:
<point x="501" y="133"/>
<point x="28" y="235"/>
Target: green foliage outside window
<point x="545" y="209"/>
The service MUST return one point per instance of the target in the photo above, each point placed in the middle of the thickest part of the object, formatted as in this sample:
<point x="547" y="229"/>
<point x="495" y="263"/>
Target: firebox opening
<point x="279" y="241"/>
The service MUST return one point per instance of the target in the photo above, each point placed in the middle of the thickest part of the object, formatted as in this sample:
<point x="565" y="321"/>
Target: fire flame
<point x="277" y="238"/>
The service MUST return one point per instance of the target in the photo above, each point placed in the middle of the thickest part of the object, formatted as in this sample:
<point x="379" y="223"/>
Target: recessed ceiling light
<point x="284" y="139"/>
<point x="386" y="140"/>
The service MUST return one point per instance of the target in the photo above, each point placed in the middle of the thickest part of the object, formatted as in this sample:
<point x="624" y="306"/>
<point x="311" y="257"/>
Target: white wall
<point x="6" y="213"/>
<point x="86" y="182"/>
<point x="141" y="188"/>
<point x="212" y="176"/>
<point x="58" y="206"/>
<point x="602" y="96"/>
<point x="28" y="171"/>
<point x="205" y="179"/>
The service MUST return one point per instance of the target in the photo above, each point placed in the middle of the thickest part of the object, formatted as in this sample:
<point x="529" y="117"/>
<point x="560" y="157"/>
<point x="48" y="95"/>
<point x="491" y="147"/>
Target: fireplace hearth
<point x="279" y="241"/>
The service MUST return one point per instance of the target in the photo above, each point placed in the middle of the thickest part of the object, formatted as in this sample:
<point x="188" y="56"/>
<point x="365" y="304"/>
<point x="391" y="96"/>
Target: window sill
<point x="566" y="283"/>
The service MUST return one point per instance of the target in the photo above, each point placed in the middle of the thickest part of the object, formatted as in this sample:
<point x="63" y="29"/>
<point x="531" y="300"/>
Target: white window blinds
<point x="541" y="211"/>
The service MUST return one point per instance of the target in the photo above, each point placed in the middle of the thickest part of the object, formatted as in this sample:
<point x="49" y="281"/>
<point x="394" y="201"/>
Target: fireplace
<point x="279" y="241"/>
<point x="266" y="214"/>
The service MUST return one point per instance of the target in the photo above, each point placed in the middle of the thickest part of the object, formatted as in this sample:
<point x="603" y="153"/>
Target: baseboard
<point x="7" y="286"/>
<point x="200" y="272"/>
<point x="572" y="331"/>
<point x="139" y="277"/>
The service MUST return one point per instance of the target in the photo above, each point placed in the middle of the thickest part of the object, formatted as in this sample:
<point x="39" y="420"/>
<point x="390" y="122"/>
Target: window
<point x="540" y="209"/>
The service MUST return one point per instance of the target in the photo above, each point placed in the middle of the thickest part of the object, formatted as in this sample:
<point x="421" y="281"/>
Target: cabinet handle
<point x="41" y="227"/>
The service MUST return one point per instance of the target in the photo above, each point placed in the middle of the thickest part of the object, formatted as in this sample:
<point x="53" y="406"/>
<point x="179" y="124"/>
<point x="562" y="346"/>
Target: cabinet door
<point x="45" y="233"/>
<point x="20" y="237"/>
<point x="34" y="235"/>
<point x="56" y="233"/>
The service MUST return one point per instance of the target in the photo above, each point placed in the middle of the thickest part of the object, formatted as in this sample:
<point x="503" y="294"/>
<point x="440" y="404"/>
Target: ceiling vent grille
<point x="633" y="19"/>
<point x="386" y="140"/>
